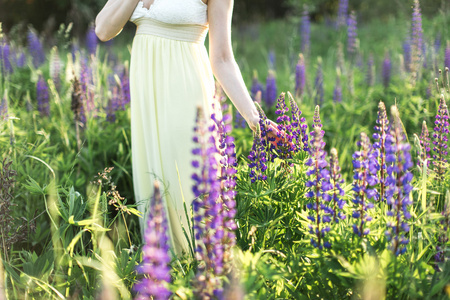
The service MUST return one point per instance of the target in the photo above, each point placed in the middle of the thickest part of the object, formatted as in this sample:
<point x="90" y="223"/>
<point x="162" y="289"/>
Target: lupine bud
<point x="4" y="107"/>
<point x="55" y="67"/>
<point x="155" y="253"/>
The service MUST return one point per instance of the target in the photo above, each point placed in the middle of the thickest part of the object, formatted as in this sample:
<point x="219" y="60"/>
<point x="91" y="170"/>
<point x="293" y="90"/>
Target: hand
<point x="274" y="135"/>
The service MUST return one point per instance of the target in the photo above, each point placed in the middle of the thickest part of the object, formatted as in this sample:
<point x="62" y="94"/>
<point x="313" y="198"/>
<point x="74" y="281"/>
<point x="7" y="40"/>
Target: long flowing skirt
<point x="169" y="79"/>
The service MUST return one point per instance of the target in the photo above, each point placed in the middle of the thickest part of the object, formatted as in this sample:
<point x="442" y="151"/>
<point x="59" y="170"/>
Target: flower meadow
<point x="350" y="201"/>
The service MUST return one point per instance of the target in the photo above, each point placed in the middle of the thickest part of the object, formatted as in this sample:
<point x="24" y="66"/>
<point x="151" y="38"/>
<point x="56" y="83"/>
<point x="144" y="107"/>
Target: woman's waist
<point x="193" y="33"/>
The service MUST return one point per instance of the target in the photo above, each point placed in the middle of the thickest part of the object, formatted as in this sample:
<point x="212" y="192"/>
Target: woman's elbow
<point x="100" y="32"/>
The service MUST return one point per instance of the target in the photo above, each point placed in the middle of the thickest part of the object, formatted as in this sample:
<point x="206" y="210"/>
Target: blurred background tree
<point x="47" y="15"/>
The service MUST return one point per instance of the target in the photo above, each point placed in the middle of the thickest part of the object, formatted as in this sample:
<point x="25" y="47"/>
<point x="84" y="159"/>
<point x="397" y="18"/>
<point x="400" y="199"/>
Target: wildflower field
<point x="353" y="202"/>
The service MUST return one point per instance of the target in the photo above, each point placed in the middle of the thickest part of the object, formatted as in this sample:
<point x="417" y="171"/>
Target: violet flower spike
<point x="440" y="139"/>
<point x="319" y="184"/>
<point x="398" y="187"/>
<point x="407" y="55"/>
<point x="342" y="13"/>
<point x="299" y="127"/>
<point x="284" y="149"/>
<point x="351" y="34"/>
<point x="91" y="40"/>
<point x="305" y="32"/>
<point x="155" y="254"/>
<point x="417" y="36"/>
<point x="380" y="136"/>
<point x="35" y="48"/>
<point x="4" y="107"/>
<point x="337" y="93"/>
<point x="365" y="168"/>
<point x="5" y="59"/>
<point x="256" y="87"/>
<point x="271" y="89"/>
<point x="337" y="193"/>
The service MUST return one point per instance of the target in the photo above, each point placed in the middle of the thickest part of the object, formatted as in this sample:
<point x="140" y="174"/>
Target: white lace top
<point x="173" y="11"/>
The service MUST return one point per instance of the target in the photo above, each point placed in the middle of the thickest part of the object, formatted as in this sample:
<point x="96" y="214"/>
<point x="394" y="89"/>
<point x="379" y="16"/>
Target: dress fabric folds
<point x="170" y="76"/>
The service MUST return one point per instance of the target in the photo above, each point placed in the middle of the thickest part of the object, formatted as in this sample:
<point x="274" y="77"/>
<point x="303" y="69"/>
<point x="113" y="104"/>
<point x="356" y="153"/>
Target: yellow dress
<point x="170" y="76"/>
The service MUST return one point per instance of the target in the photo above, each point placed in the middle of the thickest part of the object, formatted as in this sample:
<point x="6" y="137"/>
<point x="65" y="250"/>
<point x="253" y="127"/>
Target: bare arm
<point x="223" y="63"/>
<point x="111" y="19"/>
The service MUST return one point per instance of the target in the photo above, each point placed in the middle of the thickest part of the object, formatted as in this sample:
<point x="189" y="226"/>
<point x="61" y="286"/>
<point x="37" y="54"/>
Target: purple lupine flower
<point x="20" y="59"/>
<point x="299" y="126"/>
<point x="271" y="89"/>
<point x="447" y="56"/>
<point x="342" y="13"/>
<point x="269" y="148"/>
<point x="239" y="121"/>
<point x="257" y="158"/>
<point x="285" y="145"/>
<point x="300" y="76"/>
<point x="386" y="73"/>
<point x="208" y="206"/>
<point x="440" y="139"/>
<point x="227" y="176"/>
<point x="91" y="40"/>
<point x="442" y="238"/>
<point x="351" y="34"/>
<point x="77" y="105"/>
<point x="417" y="36"/>
<point x="424" y="140"/>
<point x="407" y="55"/>
<point x="337" y="92"/>
<point x="305" y="32"/>
<point x="365" y="168"/>
<point x="155" y="254"/>
<point x="380" y="136"/>
<point x="42" y="97"/>
<point x="35" y="48"/>
<point x="256" y="87"/>
<point x="317" y="122"/>
<point x="125" y="88"/>
<point x="4" y="107"/>
<point x="319" y="185"/>
<point x="5" y="59"/>
<point x="398" y="183"/>
<point x="318" y="84"/>
<point x="86" y="81"/>
<point x="370" y="77"/>
<point x="55" y="67"/>
<point x="337" y="193"/>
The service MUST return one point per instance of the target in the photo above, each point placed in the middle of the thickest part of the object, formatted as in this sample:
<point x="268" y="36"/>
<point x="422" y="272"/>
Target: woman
<point x="170" y="76"/>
